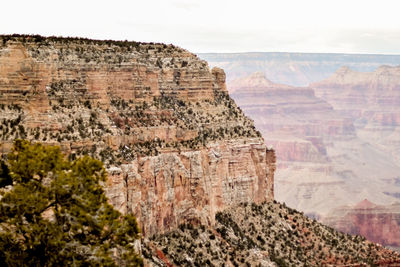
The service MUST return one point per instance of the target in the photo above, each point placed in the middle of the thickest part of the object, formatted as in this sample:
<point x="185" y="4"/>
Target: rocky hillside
<point x="269" y="234"/>
<point x="176" y="146"/>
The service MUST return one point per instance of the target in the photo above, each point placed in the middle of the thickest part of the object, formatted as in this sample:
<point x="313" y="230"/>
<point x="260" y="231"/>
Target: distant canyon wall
<point x="377" y="223"/>
<point x="337" y="141"/>
<point x="296" y="69"/>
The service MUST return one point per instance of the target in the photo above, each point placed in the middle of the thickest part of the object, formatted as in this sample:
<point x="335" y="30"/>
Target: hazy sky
<point x="343" y="26"/>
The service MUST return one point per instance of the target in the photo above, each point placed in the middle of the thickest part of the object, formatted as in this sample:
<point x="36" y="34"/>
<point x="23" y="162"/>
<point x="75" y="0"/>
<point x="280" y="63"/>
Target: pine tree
<point x="56" y="213"/>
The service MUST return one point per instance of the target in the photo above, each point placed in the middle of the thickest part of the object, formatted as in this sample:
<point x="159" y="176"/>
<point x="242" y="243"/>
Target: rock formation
<point x="176" y="147"/>
<point x="295" y="122"/>
<point x="269" y="234"/>
<point x="191" y="186"/>
<point x="329" y="155"/>
<point x="371" y="100"/>
<point x="377" y="223"/>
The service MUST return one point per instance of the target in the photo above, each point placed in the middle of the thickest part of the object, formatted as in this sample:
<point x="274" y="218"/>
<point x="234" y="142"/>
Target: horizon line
<point x="285" y="52"/>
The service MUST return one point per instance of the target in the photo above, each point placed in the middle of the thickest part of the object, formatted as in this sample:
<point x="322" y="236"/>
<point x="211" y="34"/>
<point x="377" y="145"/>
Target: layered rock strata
<point x="177" y="148"/>
<point x="378" y="223"/>
<point x="191" y="186"/>
<point x="371" y="100"/>
<point x="337" y="142"/>
<point x="296" y="123"/>
<point x="325" y="158"/>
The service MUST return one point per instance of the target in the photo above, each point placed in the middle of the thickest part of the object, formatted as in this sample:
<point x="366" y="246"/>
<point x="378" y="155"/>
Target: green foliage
<point x="56" y="213"/>
<point x="5" y="178"/>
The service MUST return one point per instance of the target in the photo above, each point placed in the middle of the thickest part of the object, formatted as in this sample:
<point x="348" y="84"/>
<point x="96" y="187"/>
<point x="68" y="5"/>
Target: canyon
<point x="180" y="154"/>
<point x="336" y="141"/>
<point x="371" y="100"/>
<point x="296" y="69"/>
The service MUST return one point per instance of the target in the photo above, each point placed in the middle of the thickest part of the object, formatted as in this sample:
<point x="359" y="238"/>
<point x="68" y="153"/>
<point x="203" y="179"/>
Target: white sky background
<point x="339" y="26"/>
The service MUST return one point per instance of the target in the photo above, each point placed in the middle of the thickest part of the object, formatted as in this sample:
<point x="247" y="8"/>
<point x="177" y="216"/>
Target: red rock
<point x="329" y="154"/>
<point x="65" y="85"/>
<point x="378" y="223"/>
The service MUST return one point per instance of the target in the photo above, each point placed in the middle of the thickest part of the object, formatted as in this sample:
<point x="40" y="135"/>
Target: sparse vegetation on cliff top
<point x="43" y="40"/>
<point x="184" y="107"/>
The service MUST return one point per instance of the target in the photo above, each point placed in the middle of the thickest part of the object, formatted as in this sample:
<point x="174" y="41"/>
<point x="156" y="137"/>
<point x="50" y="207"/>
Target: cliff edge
<point x="176" y="146"/>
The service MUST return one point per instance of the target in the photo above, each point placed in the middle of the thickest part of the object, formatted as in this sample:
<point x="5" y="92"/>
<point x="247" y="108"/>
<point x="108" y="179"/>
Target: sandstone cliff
<point x="177" y="148"/>
<point x="378" y="223"/>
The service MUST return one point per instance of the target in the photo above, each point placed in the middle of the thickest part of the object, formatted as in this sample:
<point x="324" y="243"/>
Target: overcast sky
<point x="341" y="26"/>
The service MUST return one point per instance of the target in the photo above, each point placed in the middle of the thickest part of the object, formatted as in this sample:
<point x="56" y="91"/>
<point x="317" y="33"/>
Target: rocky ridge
<point x="176" y="146"/>
<point x="269" y="234"/>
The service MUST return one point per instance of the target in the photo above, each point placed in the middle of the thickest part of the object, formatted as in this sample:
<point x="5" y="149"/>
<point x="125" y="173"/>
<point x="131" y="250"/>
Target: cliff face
<point x="176" y="147"/>
<point x="191" y="186"/>
<point x="378" y="223"/>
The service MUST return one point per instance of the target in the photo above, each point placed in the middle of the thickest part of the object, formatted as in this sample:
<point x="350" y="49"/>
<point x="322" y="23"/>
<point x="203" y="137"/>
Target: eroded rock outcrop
<point x="177" y="148"/>
<point x="377" y="223"/>
<point x="300" y="127"/>
<point x="191" y="186"/>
